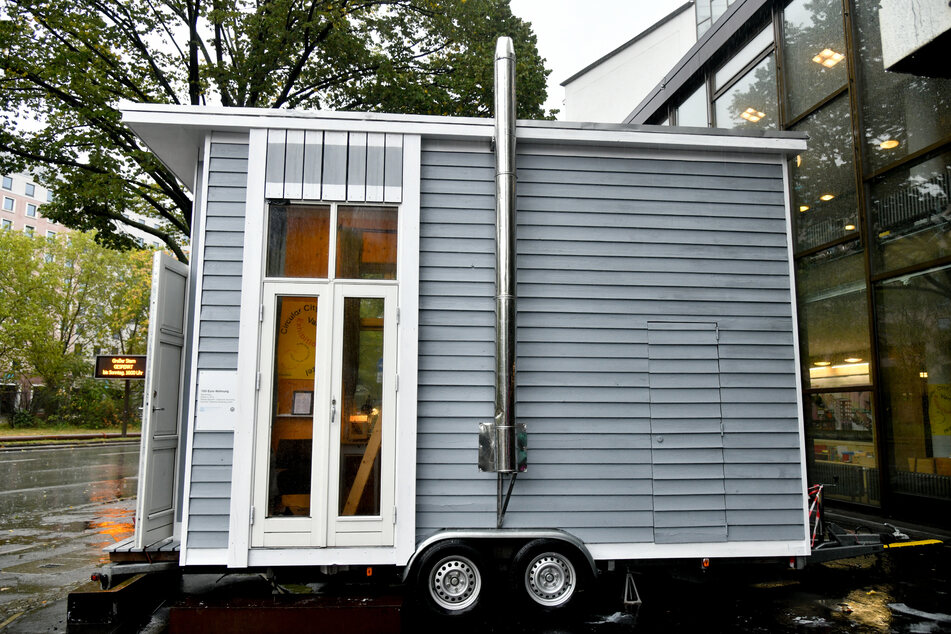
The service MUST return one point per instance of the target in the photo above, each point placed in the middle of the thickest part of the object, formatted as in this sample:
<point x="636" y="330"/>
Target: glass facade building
<point x="871" y="205"/>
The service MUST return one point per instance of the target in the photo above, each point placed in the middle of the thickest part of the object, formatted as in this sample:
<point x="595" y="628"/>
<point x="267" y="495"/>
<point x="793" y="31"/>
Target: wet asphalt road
<point x="60" y="507"/>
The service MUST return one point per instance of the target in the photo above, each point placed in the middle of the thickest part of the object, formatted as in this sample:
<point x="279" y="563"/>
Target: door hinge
<point x="397" y="383"/>
<point x="251" y="519"/>
<point x="261" y="313"/>
<point x="394" y="516"/>
<point x="257" y="381"/>
<point x="397" y="316"/>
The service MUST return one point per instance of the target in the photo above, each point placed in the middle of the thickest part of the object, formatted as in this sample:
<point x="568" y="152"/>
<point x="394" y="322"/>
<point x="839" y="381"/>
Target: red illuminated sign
<point x="120" y="367"/>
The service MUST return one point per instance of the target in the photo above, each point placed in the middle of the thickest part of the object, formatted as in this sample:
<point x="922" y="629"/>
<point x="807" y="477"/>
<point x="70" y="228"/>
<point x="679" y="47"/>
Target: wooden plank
<point x="370" y="454"/>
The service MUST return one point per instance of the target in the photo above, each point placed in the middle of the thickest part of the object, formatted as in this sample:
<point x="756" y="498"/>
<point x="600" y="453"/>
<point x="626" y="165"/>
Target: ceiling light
<point x="826" y="197"/>
<point x="752" y="115"/>
<point x="852" y="360"/>
<point x="822" y="364"/>
<point x="828" y="58"/>
<point x="850" y="227"/>
<point x="889" y="144"/>
<point x="803" y="207"/>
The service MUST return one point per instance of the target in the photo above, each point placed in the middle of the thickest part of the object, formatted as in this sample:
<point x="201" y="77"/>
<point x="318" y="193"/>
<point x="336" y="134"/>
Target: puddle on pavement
<point x="45" y="567"/>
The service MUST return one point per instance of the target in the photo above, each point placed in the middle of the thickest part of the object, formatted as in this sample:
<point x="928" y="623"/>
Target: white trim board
<point x="693" y="550"/>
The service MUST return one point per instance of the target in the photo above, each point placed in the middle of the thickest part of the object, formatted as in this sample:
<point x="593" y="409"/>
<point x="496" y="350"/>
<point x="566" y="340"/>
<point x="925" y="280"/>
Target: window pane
<point x="841" y="434"/>
<point x="746" y="55"/>
<point x="915" y="348"/>
<point x="366" y="243"/>
<point x="292" y="422"/>
<point x="813" y="52"/>
<point x="693" y="111"/>
<point x="909" y="214"/>
<point x="7" y="224"/>
<point x="362" y="417"/>
<point x="8" y="204"/>
<point x="833" y="317"/>
<point x="7" y="182"/>
<point x="298" y="238"/>
<point x="903" y="113"/>
<point x="823" y="192"/>
<point x="31" y="210"/>
<point x="751" y="102"/>
<point x="30" y="189"/>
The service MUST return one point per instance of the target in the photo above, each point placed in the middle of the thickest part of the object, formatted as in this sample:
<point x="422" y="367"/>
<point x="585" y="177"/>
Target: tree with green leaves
<point x="62" y="299"/>
<point x="65" y="66"/>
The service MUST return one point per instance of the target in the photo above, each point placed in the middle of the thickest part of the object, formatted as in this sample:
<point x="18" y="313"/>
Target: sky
<point x="574" y="33"/>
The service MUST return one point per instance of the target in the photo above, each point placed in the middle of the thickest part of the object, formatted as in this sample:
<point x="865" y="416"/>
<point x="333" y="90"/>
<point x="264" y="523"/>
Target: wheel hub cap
<point x="454" y="583"/>
<point x="550" y="579"/>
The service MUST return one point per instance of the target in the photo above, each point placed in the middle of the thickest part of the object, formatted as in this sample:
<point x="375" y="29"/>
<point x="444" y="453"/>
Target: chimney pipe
<point x="506" y="460"/>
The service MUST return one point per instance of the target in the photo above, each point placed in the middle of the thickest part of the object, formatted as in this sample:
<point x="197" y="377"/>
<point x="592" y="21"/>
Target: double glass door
<point x="325" y="459"/>
<point x="324" y="463"/>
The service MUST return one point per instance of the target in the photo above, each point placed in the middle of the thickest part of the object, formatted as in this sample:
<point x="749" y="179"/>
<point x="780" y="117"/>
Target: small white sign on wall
<point x="217" y="400"/>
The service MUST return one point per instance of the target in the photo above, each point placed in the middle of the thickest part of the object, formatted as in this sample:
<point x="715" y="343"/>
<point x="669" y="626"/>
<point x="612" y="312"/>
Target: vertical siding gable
<point x="334" y="165"/>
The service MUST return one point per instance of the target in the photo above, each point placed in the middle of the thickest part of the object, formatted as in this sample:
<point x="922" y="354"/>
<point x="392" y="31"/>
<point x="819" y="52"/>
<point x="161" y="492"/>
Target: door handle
<point x="158" y="409"/>
<point x="333" y="410"/>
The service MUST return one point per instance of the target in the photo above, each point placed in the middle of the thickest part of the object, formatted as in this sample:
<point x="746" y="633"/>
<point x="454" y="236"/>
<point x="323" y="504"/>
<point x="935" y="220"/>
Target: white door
<point x="325" y="449"/>
<point x="158" y="481"/>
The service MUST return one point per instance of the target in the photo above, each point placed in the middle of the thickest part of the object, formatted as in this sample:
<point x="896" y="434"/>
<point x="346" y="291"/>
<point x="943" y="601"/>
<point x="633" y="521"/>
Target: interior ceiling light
<point x="849" y="228"/>
<point x="852" y="360"/>
<point x="822" y="364"/>
<point x="826" y="197"/>
<point x="889" y="144"/>
<point x="753" y="115"/>
<point x="828" y="58"/>
<point x="803" y="207"/>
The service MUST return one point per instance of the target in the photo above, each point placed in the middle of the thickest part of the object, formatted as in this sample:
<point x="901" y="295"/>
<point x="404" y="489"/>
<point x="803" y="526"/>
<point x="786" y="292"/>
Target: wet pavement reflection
<point x="58" y="509"/>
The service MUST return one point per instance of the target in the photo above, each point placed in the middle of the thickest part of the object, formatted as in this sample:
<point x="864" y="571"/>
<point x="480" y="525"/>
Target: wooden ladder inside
<point x="363" y="473"/>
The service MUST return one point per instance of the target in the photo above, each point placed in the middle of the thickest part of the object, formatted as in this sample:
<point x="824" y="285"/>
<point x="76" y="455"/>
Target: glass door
<point x="291" y="487"/>
<point x="326" y="418"/>
<point x="363" y="403"/>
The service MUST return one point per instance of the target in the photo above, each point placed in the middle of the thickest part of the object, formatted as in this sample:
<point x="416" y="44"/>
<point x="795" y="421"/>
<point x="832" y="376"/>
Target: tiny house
<point x="320" y="370"/>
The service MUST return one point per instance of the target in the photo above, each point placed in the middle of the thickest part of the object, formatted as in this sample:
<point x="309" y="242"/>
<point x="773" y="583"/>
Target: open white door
<point x="155" y="504"/>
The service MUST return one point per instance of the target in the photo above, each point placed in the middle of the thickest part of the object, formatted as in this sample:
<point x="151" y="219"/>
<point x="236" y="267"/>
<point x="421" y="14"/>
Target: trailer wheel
<point x="450" y="580"/>
<point x="548" y="574"/>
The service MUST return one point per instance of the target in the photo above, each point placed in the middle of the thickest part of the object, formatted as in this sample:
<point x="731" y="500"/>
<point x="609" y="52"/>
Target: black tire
<point x="451" y="579"/>
<point x="549" y="576"/>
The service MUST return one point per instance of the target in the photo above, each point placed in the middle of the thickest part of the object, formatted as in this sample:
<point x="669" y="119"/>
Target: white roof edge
<point x="176" y="133"/>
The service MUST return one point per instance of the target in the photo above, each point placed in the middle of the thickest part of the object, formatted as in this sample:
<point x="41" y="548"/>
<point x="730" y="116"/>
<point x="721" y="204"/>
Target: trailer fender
<point x="513" y="534"/>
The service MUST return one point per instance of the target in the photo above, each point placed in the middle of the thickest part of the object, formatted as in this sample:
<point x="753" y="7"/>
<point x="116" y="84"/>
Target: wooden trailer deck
<point x="163" y="550"/>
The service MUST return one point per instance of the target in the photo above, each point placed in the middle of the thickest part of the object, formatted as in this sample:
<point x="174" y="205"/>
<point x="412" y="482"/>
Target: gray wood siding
<point x="607" y="244"/>
<point x="209" y="498"/>
<point x="210" y="492"/>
